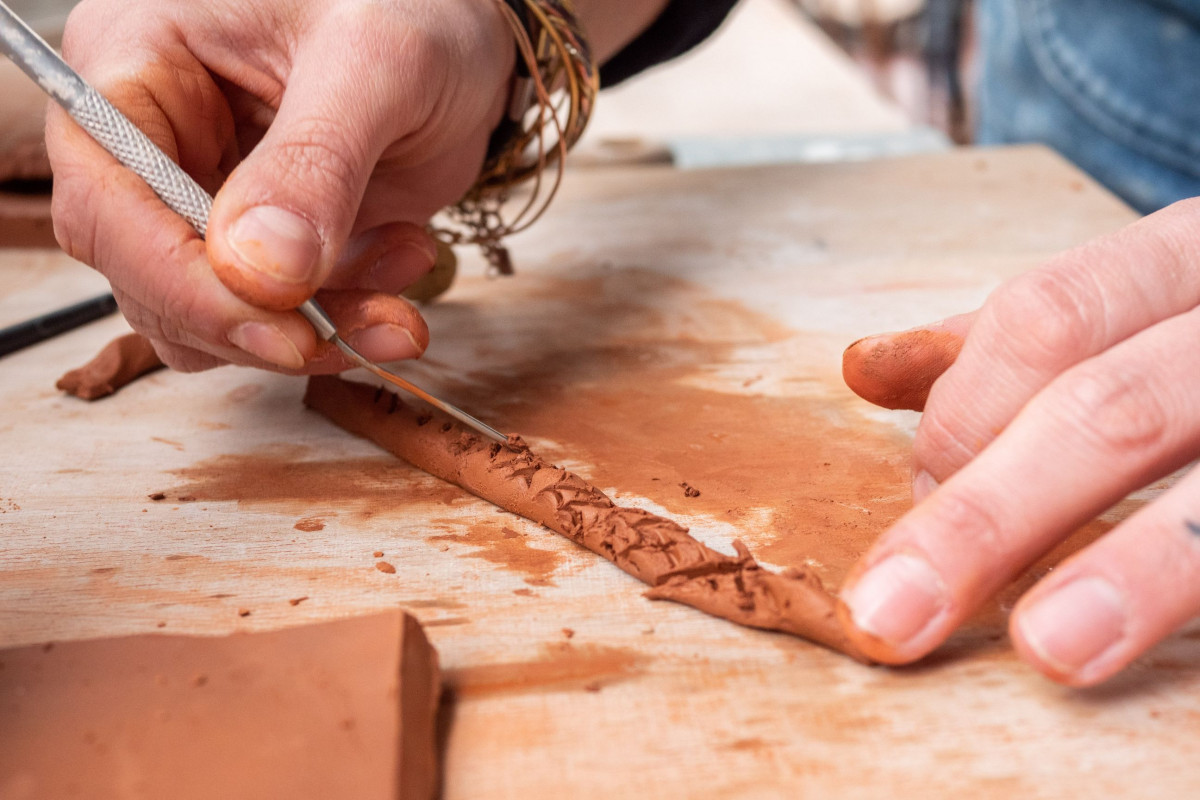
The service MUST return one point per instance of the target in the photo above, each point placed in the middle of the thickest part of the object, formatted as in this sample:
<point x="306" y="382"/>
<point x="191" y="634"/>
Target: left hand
<point x="1077" y="384"/>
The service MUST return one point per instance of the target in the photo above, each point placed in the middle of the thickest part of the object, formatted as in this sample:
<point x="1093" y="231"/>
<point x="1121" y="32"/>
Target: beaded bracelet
<point x="538" y="130"/>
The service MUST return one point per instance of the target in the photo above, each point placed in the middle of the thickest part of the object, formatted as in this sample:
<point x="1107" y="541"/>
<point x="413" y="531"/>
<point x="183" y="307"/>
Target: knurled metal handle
<point x="131" y="147"/>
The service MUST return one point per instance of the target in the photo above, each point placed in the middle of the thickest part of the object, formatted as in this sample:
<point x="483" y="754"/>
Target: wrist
<point x="552" y="57"/>
<point x="609" y="25"/>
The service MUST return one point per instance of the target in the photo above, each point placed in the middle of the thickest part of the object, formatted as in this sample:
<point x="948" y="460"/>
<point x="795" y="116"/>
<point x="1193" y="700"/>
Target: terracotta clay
<point x="120" y="363"/>
<point x="653" y="549"/>
<point x="343" y="709"/>
<point x="897" y="371"/>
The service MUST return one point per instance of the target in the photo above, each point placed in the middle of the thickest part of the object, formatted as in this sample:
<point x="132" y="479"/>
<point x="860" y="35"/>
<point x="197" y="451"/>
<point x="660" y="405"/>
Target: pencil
<point x="39" y="329"/>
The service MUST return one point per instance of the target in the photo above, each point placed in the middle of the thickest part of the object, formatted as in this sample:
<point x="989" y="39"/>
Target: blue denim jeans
<point x="1113" y="85"/>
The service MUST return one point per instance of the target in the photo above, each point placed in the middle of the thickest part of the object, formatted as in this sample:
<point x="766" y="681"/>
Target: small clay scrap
<point x="120" y="363"/>
<point x="334" y="711"/>
<point x="656" y="550"/>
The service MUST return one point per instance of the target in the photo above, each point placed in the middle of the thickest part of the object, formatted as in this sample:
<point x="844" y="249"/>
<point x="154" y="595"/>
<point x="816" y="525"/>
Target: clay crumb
<point x="567" y="632"/>
<point x="378" y="554"/>
<point x="592" y="687"/>
<point x="161" y="625"/>
<point x="187" y="498"/>
<point x="385" y="567"/>
<point x="243" y="612"/>
<point x="297" y="601"/>
<point x="689" y="490"/>
<point x="158" y="496"/>
<point x="525" y="592"/>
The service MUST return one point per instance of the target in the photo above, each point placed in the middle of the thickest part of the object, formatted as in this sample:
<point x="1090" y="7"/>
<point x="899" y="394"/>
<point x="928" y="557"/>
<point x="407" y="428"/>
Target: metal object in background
<point x="120" y="137"/>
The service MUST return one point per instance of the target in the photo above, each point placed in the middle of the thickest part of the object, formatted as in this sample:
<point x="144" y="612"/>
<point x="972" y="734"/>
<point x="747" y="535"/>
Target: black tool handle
<point x="39" y="329"/>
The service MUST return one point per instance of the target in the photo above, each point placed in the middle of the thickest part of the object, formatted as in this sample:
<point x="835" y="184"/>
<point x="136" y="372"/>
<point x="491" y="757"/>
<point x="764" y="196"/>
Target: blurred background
<point x="799" y="80"/>
<point x="782" y="80"/>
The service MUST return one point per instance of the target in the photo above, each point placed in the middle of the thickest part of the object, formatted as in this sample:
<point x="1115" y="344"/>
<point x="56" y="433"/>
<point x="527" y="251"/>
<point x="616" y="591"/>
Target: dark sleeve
<point x="682" y="25"/>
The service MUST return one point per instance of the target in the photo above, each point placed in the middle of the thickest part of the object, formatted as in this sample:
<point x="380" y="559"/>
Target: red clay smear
<point x="562" y="667"/>
<point x="506" y="547"/>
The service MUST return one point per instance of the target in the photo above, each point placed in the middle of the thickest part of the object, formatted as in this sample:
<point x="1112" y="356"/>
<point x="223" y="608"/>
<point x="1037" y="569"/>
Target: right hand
<point x="331" y="131"/>
<point x="1075" y="385"/>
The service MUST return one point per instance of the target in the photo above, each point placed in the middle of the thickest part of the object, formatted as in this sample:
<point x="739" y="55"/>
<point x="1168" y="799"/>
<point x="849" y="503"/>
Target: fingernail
<point x="1075" y="624"/>
<point x="386" y="343"/>
<point x="896" y="599"/>
<point x="398" y="269"/>
<point x="268" y="343"/>
<point x="923" y="485"/>
<point x="277" y="243"/>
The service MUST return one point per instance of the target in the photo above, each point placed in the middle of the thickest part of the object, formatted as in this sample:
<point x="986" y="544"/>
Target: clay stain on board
<point x="507" y="548"/>
<point x="561" y="666"/>
<point x="445" y="622"/>
<point x="282" y="478"/>
<point x="444" y="603"/>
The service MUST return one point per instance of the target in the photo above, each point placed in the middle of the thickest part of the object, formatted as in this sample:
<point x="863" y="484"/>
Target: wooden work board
<point x="663" y="328"/>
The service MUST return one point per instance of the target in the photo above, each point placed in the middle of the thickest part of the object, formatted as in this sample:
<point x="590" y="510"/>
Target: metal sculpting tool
<point x="122" y="139"/>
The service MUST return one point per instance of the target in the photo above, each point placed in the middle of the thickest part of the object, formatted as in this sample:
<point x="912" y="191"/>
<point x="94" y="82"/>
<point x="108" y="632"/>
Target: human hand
<point x="1076" y="384"/>
<point x="330" y="131"/>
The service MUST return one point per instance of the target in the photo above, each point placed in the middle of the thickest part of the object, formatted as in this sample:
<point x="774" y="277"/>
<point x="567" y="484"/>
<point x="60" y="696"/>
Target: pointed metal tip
<point x="483" y="429"/>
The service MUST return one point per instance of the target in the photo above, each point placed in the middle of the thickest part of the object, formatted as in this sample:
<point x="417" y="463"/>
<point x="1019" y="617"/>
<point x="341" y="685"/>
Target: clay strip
<point x="121" y="362"/>
<point x="653" y="549"/>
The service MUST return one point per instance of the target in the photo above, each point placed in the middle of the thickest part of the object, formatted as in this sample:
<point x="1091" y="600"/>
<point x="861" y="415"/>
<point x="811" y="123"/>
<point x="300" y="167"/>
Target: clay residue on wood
<point x="562" y="666"/>
<point x="288" y="479"/>
<point x="656" y="550"/>
<point x="120" y="363"/>
<point x="500" y="544"/>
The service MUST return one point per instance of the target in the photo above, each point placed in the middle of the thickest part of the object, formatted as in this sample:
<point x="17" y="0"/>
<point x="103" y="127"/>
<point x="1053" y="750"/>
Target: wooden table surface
<point x="663" y="327"/>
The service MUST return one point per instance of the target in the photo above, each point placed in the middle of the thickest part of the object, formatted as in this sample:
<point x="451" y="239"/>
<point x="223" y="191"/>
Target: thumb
<point x="897" y="370"/>
<point x="281" y="220"/>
